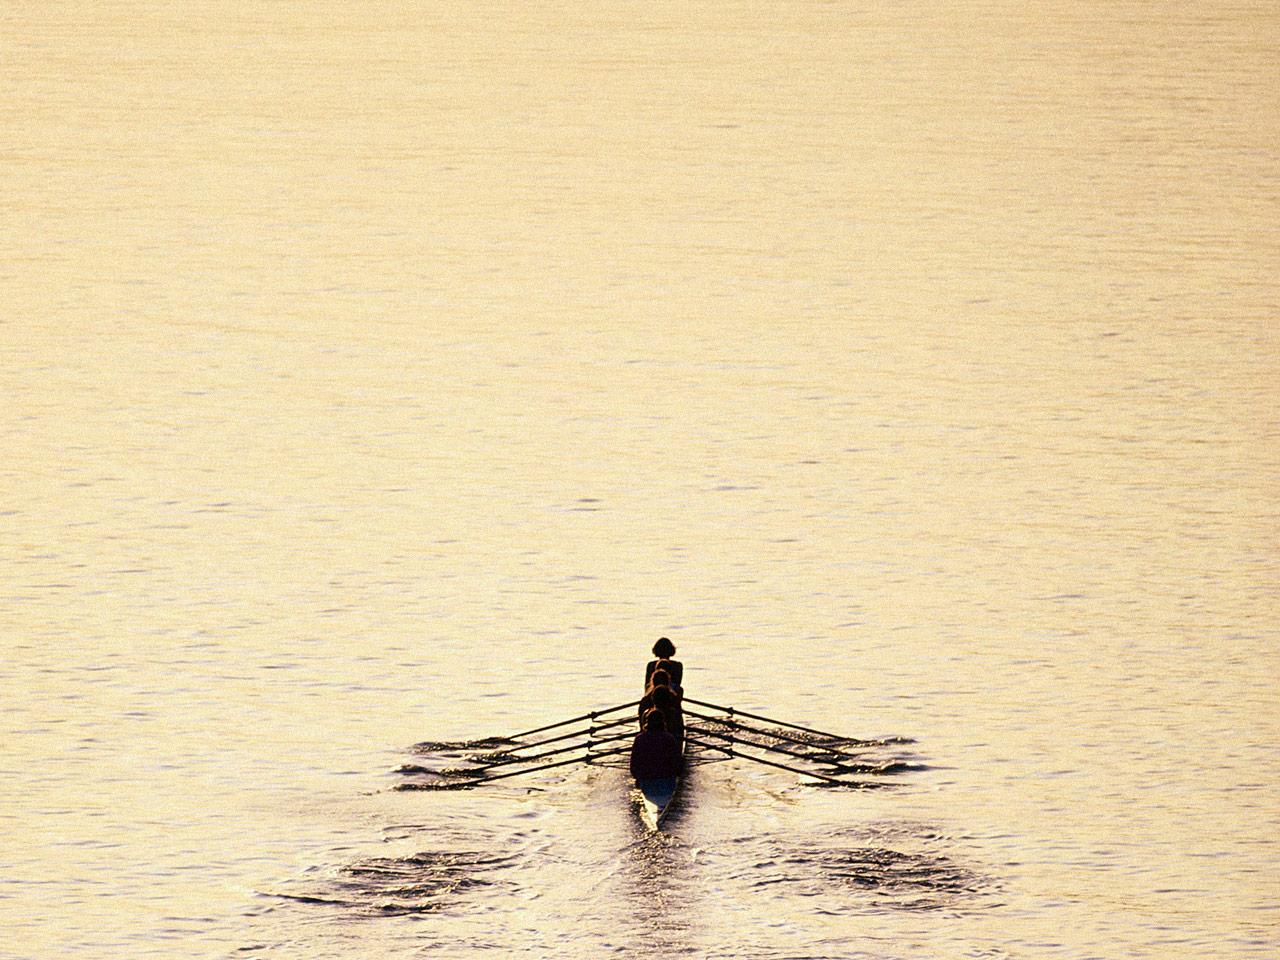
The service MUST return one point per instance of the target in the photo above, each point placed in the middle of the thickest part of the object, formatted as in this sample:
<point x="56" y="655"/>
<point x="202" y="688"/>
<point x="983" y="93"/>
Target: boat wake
<point x="900" y="866"/>
<point x="420" y="883"/>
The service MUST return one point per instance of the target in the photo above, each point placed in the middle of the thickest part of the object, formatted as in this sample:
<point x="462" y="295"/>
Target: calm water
<point x="379" y="373"/>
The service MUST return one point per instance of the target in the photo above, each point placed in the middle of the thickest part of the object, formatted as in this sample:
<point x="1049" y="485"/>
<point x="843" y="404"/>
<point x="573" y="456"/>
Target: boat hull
<point x="657" y="795"/>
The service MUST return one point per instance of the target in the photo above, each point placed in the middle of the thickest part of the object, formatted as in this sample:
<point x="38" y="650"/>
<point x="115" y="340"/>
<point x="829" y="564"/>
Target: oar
<point x="459" y="785"/>
<point x="808" y="758"/>
<point x="730" y="722"/>
<point x="551" y="753"/>
<point x="563" y="736"/>
<point x="729" y="751"/>
<point x="777" y="749"/>
<point x="586" y="716"/>
<point x="755" y="716"/>
<point x="509" y="758"/>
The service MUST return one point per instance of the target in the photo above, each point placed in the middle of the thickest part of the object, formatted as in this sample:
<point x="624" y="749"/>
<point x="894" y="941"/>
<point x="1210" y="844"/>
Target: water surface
<point x="386" y="373"/>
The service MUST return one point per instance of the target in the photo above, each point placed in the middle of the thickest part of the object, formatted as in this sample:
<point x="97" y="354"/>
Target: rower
<point x="661" y="697"/>
<point x="655" y="752"/>
<point x="668" y="704"/>
<point x="659" y="678"/>
<point x="670" y="668"/>
<point x="663" y="651"/>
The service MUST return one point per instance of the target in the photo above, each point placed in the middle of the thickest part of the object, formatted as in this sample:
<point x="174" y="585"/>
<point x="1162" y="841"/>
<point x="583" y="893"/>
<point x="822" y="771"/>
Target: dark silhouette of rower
<point x="661" y="697"/>
<point x="664" y="650"/>
<point x="668" y="704"/>
<point x="659" y="678"/>
<point x="655" y="752"/>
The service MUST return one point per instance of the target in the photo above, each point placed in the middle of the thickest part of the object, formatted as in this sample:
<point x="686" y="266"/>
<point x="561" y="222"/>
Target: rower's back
<point x="663" y="651"/>
<point x="655" y="753"/>
<point x="668" y="704"/>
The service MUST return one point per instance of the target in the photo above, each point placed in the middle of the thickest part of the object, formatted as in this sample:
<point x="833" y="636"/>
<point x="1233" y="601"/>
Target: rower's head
<point x="664" y="648"/>
<point x="654" y="720"/>
<point x="660" y="678"/>
<point x="663" y="697"/>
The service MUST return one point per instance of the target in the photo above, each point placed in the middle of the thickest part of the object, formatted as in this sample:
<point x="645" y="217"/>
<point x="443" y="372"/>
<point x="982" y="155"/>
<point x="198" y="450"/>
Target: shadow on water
<point x="421" y="882"/>
<point x="898" y="866"/>
<point x="418" y="883"/>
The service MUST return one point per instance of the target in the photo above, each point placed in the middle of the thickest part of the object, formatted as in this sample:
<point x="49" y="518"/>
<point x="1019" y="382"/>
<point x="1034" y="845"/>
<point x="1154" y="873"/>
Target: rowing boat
<point x="827" y="757"/>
